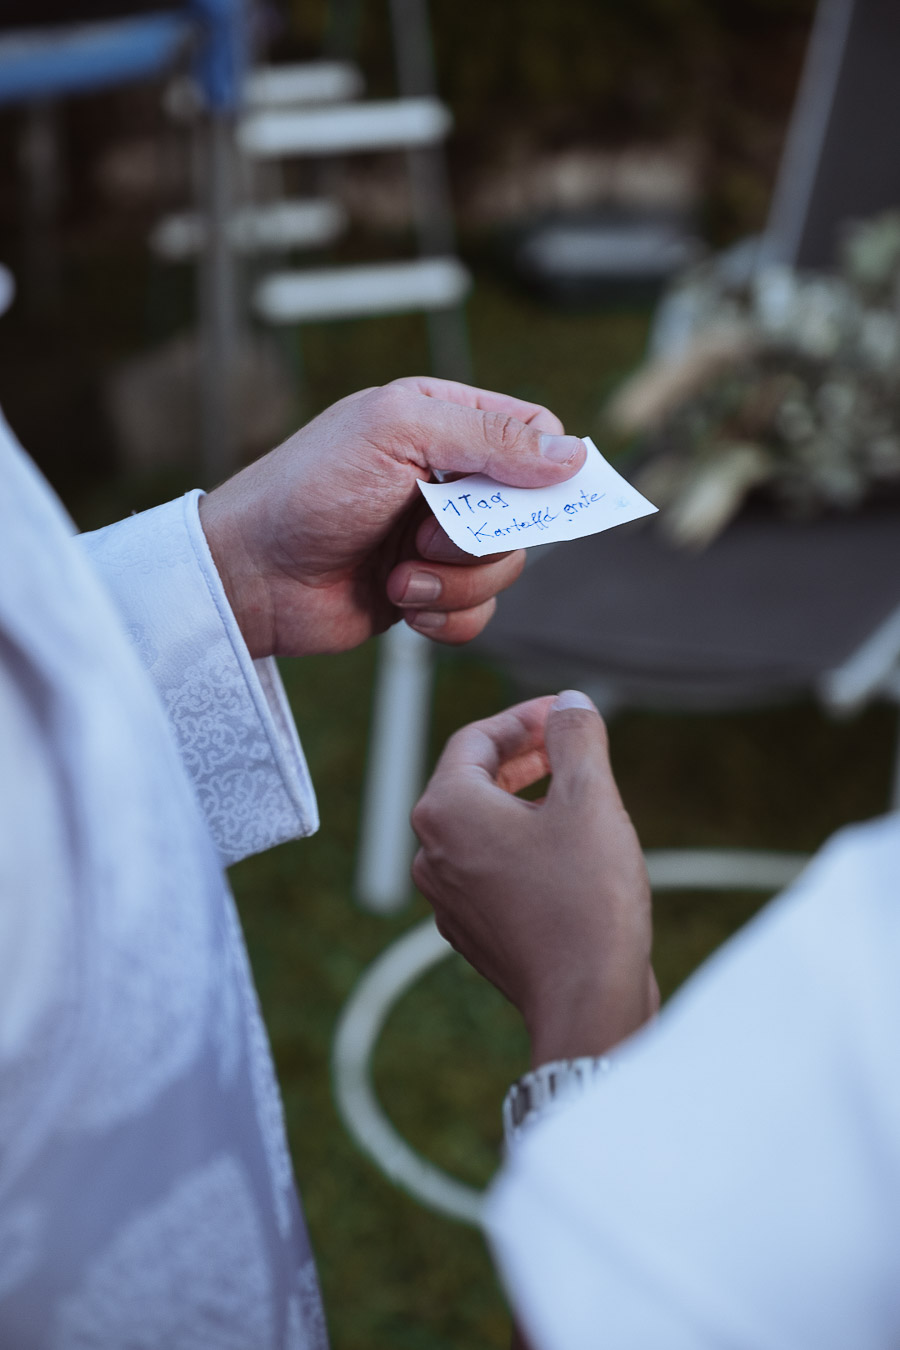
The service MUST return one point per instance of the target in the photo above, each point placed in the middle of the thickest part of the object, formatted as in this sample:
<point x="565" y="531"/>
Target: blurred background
<point x="218" y="225"/>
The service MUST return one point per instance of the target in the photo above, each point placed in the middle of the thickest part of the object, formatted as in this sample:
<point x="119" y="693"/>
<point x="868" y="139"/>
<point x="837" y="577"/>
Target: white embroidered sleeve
<point x="229" y="713"/>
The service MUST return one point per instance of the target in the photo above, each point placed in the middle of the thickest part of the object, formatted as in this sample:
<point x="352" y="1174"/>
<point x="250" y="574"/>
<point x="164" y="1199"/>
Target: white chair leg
<point x="394" y="769"/>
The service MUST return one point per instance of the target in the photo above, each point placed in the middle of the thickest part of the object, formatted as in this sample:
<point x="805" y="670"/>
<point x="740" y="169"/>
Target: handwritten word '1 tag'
<point x="483" y="516"/>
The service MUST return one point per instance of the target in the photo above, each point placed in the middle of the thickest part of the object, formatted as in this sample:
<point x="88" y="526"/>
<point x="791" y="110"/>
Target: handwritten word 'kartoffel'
<point x="483" y="516"/>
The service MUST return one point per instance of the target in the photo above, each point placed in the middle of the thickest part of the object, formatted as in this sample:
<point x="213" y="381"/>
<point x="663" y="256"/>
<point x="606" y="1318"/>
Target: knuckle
<point x="446" y="928"/>
<point x="585" y="782"/>
<point x="422" y="819"/>
<point x="417" y="819"/>
<point x="405" y="383"/>
<point x="419" y="871"/>
<point x="387" y="403"/>
<point x="505" y="432"/>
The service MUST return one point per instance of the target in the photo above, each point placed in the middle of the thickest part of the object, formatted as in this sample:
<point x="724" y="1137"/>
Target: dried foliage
<point x="789" y="384"/>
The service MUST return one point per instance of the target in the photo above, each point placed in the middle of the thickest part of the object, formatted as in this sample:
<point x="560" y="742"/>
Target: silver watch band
<point x="537" y="1093"/>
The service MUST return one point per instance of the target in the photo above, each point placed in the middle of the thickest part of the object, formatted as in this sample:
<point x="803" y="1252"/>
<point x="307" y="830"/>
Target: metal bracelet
<point x="537" y="1093"/>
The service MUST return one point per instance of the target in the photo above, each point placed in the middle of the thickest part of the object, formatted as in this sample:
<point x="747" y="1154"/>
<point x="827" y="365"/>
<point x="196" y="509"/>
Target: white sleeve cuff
<point x="229" y="713"/>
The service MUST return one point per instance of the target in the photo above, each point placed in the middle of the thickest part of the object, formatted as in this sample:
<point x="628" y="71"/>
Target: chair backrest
<point x="842" y="158"/>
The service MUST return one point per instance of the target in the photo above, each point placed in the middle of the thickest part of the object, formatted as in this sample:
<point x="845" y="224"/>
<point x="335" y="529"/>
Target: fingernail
<point x="571" y="698"/>
<point x="422" y="589"/>
<point x="560" y="449"/>
<point x="428" y="621"/>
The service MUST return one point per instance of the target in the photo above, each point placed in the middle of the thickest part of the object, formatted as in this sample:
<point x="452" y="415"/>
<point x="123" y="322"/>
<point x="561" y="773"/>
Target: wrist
<point x="578" y="1039"/>
<point x="588" y="1020"/>
<point x="245" y="589"/>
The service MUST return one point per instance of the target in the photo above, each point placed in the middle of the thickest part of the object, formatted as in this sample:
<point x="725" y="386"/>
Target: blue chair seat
<point x="42" y="62"/>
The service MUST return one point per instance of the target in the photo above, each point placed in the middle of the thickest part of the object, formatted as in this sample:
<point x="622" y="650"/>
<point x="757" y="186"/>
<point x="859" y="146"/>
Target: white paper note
<point x="483" y="516"/>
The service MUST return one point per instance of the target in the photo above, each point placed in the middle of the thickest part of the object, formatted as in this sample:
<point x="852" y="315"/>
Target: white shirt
<point x="734" y="1182"/>
<point x="146" y="1191"/>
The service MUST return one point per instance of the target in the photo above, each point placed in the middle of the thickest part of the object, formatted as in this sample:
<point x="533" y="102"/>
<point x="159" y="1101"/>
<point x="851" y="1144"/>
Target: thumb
<point x="470" y="440"/>
<point x="578" y="751"/>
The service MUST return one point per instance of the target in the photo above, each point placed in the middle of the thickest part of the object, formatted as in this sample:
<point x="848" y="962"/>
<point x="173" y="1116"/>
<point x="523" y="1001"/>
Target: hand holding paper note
<point x="482" y="516"/>
<point x="324" y="542"/>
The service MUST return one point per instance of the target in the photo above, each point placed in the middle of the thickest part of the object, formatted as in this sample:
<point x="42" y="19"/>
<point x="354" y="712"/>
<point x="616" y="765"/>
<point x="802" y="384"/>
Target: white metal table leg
<point x="394" y="768"/>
